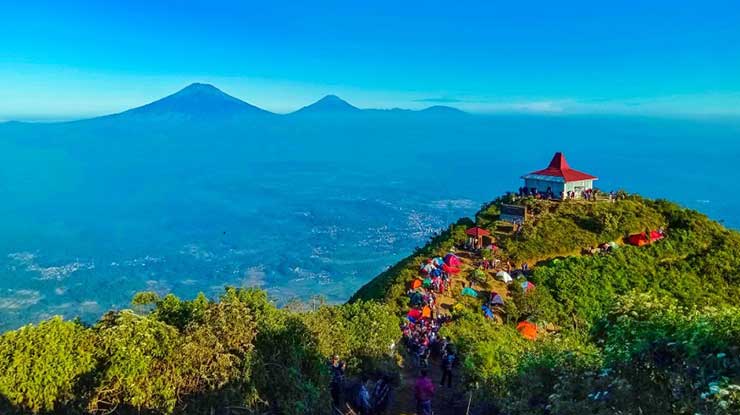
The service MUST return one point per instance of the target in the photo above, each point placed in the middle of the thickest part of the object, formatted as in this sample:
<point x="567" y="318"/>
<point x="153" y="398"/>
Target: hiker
<point x="422" y="356"/>
<point x="423" y="392"/>
<point x="448" y="360"/>
<point x="362" y="398"/>
<point x="336" y="367"/>
<point x="381" y="395"/>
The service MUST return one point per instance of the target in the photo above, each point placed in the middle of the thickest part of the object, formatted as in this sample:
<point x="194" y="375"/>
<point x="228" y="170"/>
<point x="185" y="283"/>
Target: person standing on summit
<point x="424" y="392"/>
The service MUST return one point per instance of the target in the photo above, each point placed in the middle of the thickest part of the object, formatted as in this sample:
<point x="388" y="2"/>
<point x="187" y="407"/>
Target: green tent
<point x="479" y="275"/>
<point x="469" y="292"/>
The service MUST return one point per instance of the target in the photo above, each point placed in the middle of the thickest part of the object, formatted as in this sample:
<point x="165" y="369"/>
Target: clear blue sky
<point x="79" y="58"/>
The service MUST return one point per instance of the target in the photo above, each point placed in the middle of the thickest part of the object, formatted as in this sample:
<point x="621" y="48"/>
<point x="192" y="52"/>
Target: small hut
<point x="475" y="237"/>
<point x="558" y="179"/>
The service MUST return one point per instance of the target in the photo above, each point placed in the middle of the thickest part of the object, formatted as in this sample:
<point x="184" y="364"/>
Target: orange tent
<point x="426" y="312"/>
<point x="527" y="329"/>
<point x="416" y="284"/>
<point x="641" y="239"/>
<point x="638" y="239"/>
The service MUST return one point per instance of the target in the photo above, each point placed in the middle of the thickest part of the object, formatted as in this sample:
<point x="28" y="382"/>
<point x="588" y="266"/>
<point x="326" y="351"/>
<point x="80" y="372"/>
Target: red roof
<point x="477" y="232"/>
<point x="559" y="168"/>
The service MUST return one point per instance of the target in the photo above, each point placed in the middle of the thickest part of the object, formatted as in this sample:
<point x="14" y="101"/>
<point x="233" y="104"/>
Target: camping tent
<point x="415" y="284"/>
<point x="452" y="260"/>
<point x="469" y="292"/>
<point x="527" y="329"/>
<point x="487" y="311"/>
<point x="496" y="299"/>
<point x="426" y="312"/>
<point x="450" y="270"/>
<point x="505" y="277"/>
<point x="427" y="268"/>
<point x="436" y="272"/>
<point x="427" y="282"/>
<point x="527" y="286"/>
<point x="414" y="314"/>
<point x="438" y="261"/>
<point x="640" y="239"/>
<point x="479" y="275"/>
<point x="416" y="298"/>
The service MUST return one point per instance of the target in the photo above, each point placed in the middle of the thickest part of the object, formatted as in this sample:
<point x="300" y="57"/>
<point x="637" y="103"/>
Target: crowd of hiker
<point x="585" y="194"/>
<point x="357" y="397"/>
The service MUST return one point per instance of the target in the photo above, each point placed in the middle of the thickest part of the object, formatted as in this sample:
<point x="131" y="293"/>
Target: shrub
<point x="42" y="365"/>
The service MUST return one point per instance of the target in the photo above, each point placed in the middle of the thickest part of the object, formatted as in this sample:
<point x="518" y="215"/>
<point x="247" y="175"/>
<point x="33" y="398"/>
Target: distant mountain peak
<point x="198" y="87"/>
<point x="197" y="100"/>
<point x="328" y="104"/>
<point x="443" y="109"/>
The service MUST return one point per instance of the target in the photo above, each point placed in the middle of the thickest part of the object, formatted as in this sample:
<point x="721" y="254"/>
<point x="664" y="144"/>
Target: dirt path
<point x="447" y="401"/>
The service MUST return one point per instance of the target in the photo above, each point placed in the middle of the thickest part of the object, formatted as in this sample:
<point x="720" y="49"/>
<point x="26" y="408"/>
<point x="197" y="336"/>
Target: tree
<point x="42" y="365"/>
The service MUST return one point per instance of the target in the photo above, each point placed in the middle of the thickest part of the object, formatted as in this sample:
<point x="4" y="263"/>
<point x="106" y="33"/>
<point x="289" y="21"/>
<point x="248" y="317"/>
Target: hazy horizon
<point x="87" y="59"/>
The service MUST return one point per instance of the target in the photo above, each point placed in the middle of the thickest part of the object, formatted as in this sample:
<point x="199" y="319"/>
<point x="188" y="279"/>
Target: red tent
<point x="450" y="270"/>
<point x="527" y="329"/>
<point x="477" y="232"/>
<point x="414" y="314"/>
<point x="640" y="239"/>
<point x="637" y="239"/>
<point x="452" y="260"/>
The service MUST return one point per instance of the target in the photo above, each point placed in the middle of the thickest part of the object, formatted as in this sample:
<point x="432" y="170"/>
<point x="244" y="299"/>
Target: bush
<point x="41" y="366"/>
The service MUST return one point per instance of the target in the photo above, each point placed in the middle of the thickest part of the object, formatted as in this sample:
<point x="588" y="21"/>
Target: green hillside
<point x="653" y="329"/>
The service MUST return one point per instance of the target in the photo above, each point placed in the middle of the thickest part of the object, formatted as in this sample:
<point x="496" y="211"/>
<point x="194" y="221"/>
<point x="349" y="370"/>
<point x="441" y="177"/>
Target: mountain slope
<point x="330" y="104"/>
<point x="196" y="101"/>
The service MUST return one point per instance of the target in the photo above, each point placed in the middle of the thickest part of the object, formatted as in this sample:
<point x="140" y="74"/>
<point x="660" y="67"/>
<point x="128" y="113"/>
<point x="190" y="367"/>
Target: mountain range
<point x="199" y="101"/>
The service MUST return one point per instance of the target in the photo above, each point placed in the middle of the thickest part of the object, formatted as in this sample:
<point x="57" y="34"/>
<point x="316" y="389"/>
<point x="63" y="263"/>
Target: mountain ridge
<point x="205" y="101"/>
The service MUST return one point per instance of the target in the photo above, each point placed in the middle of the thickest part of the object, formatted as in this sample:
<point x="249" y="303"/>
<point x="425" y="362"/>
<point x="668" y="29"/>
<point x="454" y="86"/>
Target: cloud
<point x="19" y="299"/>
<point x="538" y="106"/>
<point x="440" y="100"/>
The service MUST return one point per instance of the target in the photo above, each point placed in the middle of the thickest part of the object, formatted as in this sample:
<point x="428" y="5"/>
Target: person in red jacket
<point x="424" y="392"/>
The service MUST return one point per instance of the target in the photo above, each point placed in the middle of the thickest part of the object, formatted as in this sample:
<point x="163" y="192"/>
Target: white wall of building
<point x="542" y="185"/>
<point x="579" y="186"/>
<point x="558" y="186"/>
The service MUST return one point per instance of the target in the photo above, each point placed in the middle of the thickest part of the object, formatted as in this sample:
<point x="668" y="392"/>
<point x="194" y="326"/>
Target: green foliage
<point x="364" y="333"/>
<point x="564" y="228"/>
<point x="140" y="369"/>
<point x="216" y="351"/>
<point x="649" y="355"/>
<point x="698" y="264"/>
<point x="41" y="365"/>
<point x="176" y="312"/>
<point x="288" y="373"/>
<point x="490" y="352"/>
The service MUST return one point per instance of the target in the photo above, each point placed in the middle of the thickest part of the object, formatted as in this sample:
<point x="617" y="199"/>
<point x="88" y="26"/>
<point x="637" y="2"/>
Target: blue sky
<point x="73" y="59"/>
